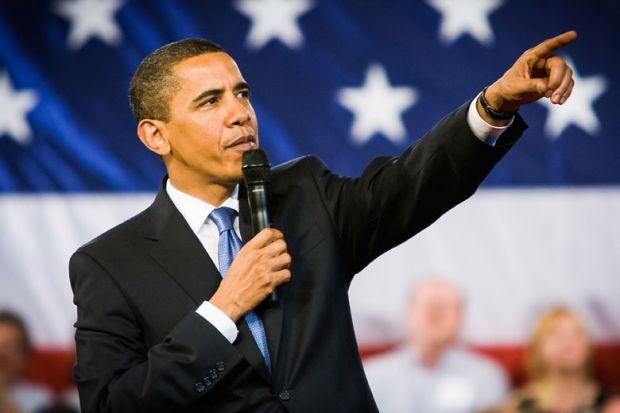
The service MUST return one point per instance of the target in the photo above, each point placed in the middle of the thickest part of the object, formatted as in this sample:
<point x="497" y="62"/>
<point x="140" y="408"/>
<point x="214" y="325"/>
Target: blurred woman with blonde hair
<point x="559" y="367"/>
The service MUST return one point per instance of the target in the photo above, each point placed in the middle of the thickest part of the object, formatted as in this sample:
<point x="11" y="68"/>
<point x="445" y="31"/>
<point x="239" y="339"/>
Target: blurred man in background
<point x="16" y="395"/>
<point x="432" y="372"/>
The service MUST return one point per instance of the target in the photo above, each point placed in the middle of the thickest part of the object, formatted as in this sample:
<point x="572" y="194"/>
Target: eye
<point x="208" y="101"/>
<point x="245" y="94"/>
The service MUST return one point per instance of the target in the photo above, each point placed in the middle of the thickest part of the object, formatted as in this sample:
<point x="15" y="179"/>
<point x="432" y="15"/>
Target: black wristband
<point x="495" y="114"/>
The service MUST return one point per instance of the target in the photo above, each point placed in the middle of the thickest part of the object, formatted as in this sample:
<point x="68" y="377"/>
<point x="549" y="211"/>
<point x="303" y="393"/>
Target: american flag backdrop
<point x="347" y="81"/>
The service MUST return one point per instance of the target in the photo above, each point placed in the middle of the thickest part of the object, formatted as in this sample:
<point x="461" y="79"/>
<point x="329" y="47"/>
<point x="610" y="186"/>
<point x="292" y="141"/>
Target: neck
<point x="566" y="380"/>
<point x="565" y="391"/>
<point x="430" y="355"/>
<point x="213" y="193"/>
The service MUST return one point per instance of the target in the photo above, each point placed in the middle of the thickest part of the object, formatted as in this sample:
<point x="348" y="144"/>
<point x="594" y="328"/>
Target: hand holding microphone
<point x="260" y="266"/>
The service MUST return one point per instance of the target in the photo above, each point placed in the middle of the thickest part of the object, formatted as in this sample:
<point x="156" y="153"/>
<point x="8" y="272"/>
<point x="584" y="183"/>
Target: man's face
<point x="435" y="315"/>
<point x="211" y="122"/>
<point x="13" y="357"/>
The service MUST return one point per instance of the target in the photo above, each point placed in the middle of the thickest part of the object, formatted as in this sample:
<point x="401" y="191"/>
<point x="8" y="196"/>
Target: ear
<point x="152" y="134"/>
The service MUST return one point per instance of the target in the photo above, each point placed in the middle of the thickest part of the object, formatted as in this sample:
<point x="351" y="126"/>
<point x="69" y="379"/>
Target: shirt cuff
<point x="219" y="320"/>
<point x="487" y="133"/>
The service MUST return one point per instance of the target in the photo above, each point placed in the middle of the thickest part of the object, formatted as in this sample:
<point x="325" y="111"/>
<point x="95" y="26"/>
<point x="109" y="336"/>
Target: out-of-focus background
<point x="347" y="81"/>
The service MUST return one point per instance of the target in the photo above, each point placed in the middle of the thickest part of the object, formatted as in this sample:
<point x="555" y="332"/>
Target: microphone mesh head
<point x="256" y="167"/>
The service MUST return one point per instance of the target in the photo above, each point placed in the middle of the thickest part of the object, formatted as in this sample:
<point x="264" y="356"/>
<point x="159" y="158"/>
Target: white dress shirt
<point x="196" y="213"/>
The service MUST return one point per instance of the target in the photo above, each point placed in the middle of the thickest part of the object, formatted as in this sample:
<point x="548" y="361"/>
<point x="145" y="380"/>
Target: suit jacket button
<point x="220" y="366"/>
<point x="213" y="374"/>
<point x="284" y="395"/>
<point x="207" y="381"/>
<point x="200" y="387"/>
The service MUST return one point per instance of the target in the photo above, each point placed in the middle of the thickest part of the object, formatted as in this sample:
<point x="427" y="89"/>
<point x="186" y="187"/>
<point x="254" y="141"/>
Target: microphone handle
<point x="260" y="216"/>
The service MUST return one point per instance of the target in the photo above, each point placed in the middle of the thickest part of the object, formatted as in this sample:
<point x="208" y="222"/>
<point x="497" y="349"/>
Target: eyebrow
<point x="219" y="92"/>
<point x="240" y="86"/>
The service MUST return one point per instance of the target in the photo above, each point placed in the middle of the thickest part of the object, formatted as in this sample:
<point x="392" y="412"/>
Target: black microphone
<point x="256" y="174"/>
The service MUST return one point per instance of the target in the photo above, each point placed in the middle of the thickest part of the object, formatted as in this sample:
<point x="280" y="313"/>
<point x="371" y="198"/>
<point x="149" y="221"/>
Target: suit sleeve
<point x="395" y="198"/>
<point x="116" y="373"/>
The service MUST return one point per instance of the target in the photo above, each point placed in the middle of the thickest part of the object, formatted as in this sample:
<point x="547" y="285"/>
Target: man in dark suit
<point x="172" y="315"/>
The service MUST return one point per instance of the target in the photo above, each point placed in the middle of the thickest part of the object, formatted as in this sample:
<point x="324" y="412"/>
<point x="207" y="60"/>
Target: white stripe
<point x="39" y="234"/>
<point x="512" y="251"/>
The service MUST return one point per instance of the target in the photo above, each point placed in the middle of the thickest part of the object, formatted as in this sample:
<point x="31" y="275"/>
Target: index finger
<point x="546" y="48"/>
<point x="266" y="237"/>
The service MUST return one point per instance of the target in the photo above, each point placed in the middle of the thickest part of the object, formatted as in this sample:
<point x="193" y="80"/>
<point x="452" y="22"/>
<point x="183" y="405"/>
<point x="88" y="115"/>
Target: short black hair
<point x="153" y="84"/>
<point x="11" y="318"/>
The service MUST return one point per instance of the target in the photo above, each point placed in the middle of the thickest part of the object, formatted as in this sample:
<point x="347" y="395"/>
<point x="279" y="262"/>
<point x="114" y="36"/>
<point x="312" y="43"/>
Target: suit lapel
<point x="179" y="251"/>
<point x="270" y="312"/>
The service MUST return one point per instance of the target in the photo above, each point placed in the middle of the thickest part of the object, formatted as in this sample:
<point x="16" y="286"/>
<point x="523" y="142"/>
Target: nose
<point x="239" y="114"/>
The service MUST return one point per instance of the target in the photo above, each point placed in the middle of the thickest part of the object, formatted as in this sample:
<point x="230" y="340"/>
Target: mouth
<point x="243" y="143"/>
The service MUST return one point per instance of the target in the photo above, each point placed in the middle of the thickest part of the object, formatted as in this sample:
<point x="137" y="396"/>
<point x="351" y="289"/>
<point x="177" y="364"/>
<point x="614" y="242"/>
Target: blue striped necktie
<point x="228" y="246"/>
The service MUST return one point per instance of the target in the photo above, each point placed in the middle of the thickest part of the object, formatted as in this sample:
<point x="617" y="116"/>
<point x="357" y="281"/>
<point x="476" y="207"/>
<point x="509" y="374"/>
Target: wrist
<point x="498" y="102"/>
<point x="487" y="119"/>
<point x="487" y="105"/>
<point x="226" y="306"/>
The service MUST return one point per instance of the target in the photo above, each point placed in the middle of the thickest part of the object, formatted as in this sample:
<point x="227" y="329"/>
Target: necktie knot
<point x="223" y="217"/>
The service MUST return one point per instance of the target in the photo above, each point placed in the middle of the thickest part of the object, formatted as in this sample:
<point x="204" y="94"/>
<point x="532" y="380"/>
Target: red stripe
<point x="606" y="360"/>
<point x="52" y="366"/>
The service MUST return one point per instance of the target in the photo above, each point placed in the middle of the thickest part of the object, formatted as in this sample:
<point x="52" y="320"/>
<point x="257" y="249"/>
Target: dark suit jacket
<point x="142" y="348"/>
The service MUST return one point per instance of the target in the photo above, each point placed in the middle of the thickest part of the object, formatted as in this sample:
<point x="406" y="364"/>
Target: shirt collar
<point x="194" y="210"/>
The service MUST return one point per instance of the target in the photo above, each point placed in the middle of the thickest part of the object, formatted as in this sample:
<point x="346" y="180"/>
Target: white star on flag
<point x="377" y="106"/>
<point x="579" y="108"/>
<point x="471" y="17"/>
<point x="15" y="106"/>
<point x="90" y="18"/>
<point x="274" y="19"/>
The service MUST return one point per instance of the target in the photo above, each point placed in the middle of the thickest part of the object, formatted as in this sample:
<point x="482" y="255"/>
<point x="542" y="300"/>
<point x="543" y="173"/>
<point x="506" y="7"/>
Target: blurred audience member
<point x="558" y="363"/>
<point x="611" y="403"/>
<point x="432" y="372"/>
<point x="17" y="396"/>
